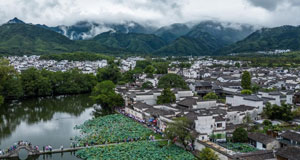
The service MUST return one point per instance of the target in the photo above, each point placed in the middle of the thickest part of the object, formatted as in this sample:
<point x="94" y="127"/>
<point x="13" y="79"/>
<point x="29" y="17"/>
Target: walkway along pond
<point x="33" y="152"/>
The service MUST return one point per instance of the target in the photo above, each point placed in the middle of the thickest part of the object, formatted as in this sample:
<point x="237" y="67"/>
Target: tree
<point x="180" y="129"/>
<point x="237" y="64"/>
<point x="172" y="81"/>
<point x="10" y="81"/>
<point x="240" y="135"/>
<point x="1" y="100"/>
<point x="105" y="95"/>
<point x="267" y="123"/>
<point x="128" y="76"/>
<point x="149" y="69"/>
<point x="147" y="85"/>
<point x="246" y="92"/>
<point x="247" y="119"/>
<point x="246" y="80"/>
<point x="210" y="96"/>
<point x="255" y="88"/>
<point x="283" y="112"/>
<point x="161" y="67"/>
<point x="111" y="72"/>
<point x="208" y="154"/>
<point x="142" y="64"/>
<point x="167" y="96"/>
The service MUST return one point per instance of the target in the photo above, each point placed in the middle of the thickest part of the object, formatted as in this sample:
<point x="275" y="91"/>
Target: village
<point x="215" y="100"/>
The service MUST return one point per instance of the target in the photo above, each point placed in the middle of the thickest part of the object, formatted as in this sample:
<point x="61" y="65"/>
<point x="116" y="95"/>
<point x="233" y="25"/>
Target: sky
<point x="267" y="13"/>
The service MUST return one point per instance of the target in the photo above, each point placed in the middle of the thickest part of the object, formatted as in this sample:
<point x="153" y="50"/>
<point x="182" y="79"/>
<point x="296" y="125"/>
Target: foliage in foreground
<point x="112" y="128"/>
<point x="136" y="151"/>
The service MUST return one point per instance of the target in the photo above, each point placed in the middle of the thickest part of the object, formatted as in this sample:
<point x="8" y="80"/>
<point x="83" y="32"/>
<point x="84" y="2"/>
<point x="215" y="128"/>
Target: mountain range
<point x="204" y="38"/>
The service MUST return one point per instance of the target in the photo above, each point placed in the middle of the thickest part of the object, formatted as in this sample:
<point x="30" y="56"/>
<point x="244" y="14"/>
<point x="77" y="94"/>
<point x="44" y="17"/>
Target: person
<point x="50" y="148"/>
<point x="1" y="152"/>
<point x="61" y="147"/>
<point x="43" y="148"/>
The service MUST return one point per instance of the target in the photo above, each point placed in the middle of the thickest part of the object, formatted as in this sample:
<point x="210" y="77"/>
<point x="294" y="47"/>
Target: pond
<point x="44" y="121"/>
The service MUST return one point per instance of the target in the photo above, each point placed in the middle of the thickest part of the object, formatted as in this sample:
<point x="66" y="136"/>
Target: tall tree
<point x="149" y="69"/>
<point x="105" y="95"/>
<point x="210" y="96"/>
<point x="240" y="135"/>
<point x="111" y="72"/>
<point x="167" y="96"/>
<point x="283" y="112"/>
<point x="208" y="154"/>
<point x="10" y="83"/>
<point x="246" y="80"/>
<point x="172" y="81"/>
<point x="147" y="85"/>
<point x="180" y="130"/>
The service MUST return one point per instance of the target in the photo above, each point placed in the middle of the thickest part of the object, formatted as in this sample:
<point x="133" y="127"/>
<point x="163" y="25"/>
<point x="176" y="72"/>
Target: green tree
<point x="167" y="96"/>
<point x="128" y="76"/>
<point x="208" y="154"/>
<point x="142" y="64"/>
<point x="283" y="112"/>
<point x="147" y="85"/>
<point x="246" y="92"/>
<point x="10" y="82"/>
<point x="210" y="96"/>
<point x="255" y="88"/>
<point x="149" y="69"/>
<point x="172" y="81"/>
<point x="180" y="129"/>
<point x="267" y="123"/>
<point x="237" y="64"/>
<point x="111" y="72"/>
<point x="246" y="80"/>
<point x="105" y="95"/>
<point x="240" y="135"/>
<point x="161" y="67"/>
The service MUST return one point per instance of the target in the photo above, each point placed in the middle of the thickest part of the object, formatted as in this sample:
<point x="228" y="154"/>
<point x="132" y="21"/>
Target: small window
<point x="264" y="146"/>
<point x="219" y="125"/>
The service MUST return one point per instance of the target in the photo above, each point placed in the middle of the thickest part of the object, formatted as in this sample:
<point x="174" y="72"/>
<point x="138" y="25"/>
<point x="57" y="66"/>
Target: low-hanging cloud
<point x="152" y="12"/>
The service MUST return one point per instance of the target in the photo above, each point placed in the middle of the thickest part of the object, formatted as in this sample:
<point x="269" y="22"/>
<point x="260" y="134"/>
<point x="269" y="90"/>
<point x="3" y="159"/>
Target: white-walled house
<point x="246" y="100"/>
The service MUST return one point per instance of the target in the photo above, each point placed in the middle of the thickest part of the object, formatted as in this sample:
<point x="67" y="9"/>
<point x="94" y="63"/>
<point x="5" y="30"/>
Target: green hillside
<point x="132" y="42"/>
<point x="18" y="39"/>
<point x="284" y="37"/>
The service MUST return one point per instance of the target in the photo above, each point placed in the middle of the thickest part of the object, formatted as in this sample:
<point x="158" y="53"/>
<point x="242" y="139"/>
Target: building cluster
<point x="25" y="62"/>
<point x="216" y="120"/>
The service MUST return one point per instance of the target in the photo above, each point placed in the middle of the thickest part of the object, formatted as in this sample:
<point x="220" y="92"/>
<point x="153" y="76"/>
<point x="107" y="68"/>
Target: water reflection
<point x="43" y="121"/>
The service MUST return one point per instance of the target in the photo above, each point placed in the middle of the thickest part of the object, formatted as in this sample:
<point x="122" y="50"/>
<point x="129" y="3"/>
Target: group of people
<point x="16" y="145"/>
<point x="47" y="148"/>
<point x="152" y="125"/>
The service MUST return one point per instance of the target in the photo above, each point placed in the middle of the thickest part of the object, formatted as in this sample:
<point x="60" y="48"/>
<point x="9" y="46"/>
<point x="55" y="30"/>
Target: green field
<point x="146" y="150"/>
<point x="111" y="129"/>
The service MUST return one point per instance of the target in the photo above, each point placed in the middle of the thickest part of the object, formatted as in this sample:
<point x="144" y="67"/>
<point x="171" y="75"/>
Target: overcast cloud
<point x="154" y="12"/>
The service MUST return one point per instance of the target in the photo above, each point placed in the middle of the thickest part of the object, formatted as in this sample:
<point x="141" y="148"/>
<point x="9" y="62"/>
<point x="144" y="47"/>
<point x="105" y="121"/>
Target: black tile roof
<point x="290" y="153"/>
<point x="291" y="135"/>
<point x="260" y="137"/>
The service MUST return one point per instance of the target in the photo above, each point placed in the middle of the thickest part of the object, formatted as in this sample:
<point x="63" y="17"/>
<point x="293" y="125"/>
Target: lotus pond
<point x="148" y="150"/>
<point x="111" y="129"/>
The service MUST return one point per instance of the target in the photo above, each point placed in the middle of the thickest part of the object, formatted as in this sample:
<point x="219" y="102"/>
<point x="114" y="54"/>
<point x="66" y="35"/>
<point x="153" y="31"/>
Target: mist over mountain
<point x="203" y="38"/>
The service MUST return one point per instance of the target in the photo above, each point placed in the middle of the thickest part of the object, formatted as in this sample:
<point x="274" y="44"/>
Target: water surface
<point x="44" y="121"/>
